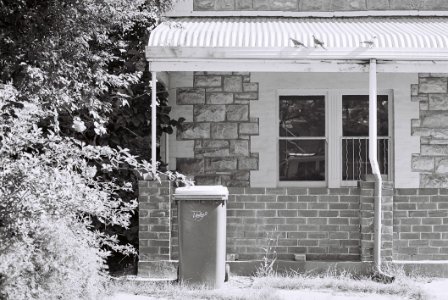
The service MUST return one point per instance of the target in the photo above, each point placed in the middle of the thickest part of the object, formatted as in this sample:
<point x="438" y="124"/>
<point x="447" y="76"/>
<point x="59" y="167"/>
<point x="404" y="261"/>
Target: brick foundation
<point x="367" y="200"/>
<point x="154" y="220"/>
<point x="320" y="224"/>
<point x="421" y="224"/>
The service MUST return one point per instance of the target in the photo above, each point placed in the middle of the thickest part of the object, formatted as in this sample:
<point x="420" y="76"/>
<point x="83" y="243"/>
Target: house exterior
<point x="277" y="96"/>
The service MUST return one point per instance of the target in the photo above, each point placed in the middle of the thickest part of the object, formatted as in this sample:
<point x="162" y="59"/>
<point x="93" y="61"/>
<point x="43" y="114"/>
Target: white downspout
<point x="373" y="158"/>
<point x="153" y="123"/>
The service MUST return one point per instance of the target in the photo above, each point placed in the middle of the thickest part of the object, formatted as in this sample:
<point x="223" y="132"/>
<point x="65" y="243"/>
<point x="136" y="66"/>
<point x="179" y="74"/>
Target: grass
<point x="403" y="286"/>
<point x="173" y="290"/>
<point x="268" y="287"/>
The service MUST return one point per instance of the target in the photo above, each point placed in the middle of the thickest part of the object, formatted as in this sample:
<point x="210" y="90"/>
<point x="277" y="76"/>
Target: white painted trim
<point x="391" y="124"/>
<point x="386" y="92"/>
<point x="302" y="92"/>
<point x="334" y="129"/>
<point x="308" y="184"/>
<point x="285" y="53"/>
<point x="277" y="140"/>
<point x="307" y="66"/>
<point x="333" y="134"/>
<point x="349" y="183"/>
<point x="188" y="12"/>
<point x="153" y="123"/>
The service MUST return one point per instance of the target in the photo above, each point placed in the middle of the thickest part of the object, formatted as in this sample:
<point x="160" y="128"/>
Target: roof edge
<point x="316" y="14"/>
<point x="228" y="53"/>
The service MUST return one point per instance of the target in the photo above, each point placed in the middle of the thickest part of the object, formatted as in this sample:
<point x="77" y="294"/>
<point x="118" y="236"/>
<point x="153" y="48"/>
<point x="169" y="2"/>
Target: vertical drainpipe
<point x="153" y="123"/>
<point x="373" y="158"/>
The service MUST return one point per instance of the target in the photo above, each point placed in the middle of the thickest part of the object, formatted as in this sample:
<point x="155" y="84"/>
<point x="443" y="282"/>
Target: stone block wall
<point x="421" y="224"/>
<point x="318" y="5"/>
<point x="321" y="223"/>
<point x="367" y="206"/>
<point x="221" y="129"/>
<point x="432" y="126"/>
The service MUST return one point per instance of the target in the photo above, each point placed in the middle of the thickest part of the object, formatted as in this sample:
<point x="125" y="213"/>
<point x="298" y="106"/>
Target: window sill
<point x="311" y="184"/>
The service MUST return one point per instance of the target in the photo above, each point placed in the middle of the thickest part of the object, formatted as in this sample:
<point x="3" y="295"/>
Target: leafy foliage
<point x="74" y="81"/>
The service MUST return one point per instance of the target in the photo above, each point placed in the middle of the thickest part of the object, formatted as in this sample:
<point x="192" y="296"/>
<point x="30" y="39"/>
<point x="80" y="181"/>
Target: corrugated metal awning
<point x="395" y="38"/>
<point x="276" y="32"/>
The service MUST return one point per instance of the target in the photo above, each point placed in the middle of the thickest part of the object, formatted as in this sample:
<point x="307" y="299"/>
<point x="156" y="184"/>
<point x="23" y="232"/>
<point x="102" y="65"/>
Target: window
<point x="302" y="138"/>
<point x="355" y="131"/>
<point x="323" y="137"/>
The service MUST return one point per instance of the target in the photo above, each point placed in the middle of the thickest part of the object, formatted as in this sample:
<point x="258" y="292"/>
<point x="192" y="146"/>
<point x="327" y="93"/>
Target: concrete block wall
<point x="432" y="126"/>
<point x="317" y="5"/>
<point x="421" y="224"/>
<point x="221" y="128"/>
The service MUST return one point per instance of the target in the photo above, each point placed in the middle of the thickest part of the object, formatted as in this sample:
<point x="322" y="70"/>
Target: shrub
<point x="50" y="194"/>
<point x="64" y="67"/>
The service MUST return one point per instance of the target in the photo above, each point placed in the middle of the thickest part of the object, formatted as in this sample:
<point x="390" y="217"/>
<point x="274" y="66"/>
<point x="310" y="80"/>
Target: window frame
<point x="333" y="135"/>
<point x="389" y="93"/>
<point x="296" y="92"/>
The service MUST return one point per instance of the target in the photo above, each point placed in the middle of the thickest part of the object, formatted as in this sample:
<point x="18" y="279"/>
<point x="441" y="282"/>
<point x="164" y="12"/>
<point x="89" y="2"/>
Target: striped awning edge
<point x="385" y="33"/>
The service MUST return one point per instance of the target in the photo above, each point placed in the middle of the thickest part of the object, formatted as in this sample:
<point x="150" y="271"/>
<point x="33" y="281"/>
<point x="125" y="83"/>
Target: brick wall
<point x="321" y="223"/>
<point x="318" y="5"/>
<point x="221" y="128"/>
<point x="420" y="224"/>
<point x="432" y="127"/>
<point x="367" y="207"/>
<point x="154" y="220"/>
<point x="174" y="239"/>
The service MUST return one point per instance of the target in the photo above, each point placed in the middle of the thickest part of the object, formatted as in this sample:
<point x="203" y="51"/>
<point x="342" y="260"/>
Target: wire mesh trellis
<point x="355" y="157"/>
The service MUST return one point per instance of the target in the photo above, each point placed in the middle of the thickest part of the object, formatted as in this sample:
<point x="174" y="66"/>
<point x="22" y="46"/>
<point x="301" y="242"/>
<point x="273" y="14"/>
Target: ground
<point x="328" y="288"/>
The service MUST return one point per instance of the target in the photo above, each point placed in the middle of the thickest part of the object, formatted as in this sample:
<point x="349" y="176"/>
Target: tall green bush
<point x="65" y="66"/>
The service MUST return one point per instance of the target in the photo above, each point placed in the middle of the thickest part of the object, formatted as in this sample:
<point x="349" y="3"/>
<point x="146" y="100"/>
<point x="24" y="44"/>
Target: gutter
<point x="379" y="275"/>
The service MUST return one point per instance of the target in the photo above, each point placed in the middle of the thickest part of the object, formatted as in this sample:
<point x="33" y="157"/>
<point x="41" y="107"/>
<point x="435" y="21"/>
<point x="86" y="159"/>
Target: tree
<point x="66" y="68"/>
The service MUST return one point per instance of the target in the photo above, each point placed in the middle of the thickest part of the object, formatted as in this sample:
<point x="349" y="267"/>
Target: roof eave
<point x="361" y="53"/>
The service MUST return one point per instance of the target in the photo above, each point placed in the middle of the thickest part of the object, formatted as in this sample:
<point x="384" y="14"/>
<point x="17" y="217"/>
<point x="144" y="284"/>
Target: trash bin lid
<point x="202" y="192"/>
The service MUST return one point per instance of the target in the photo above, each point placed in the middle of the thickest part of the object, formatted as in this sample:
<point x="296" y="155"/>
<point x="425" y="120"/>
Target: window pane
<point x="355" y="115"/>
<point x="355" y="157"/>
<point x="302" y="116"/>
<point x="302" y="160"/>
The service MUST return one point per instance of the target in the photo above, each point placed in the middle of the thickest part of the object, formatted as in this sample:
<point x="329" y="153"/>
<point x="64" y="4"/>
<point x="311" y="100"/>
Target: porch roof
<point x="186" y="44"/>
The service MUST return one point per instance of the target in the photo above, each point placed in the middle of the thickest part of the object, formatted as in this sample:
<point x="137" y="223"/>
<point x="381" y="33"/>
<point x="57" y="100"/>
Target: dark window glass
<point x="302" y="160"/>
<point x="302" y="116"/>
<point x="355" y="141"/>
<point x="355" y="115"/>
<point x="302" y="138"/>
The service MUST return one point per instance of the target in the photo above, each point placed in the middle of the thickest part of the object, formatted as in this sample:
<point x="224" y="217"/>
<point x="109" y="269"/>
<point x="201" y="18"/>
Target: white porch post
<point x="373" y="158"/>
<point x="153" y="123"/>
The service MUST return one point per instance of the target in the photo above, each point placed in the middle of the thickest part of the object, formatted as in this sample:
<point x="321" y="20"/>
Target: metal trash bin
<point x="202" y="234"/>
